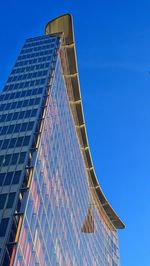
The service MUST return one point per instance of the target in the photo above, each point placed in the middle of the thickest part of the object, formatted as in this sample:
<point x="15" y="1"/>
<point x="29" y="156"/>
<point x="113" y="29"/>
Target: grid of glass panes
<point x="20" y="104"/>
<point x="59" y="198"/>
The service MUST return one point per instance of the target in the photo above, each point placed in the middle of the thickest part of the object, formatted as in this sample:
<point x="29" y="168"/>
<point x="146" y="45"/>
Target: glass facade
<point x="51" y="210"/>
<point x="55" y="230"/>
<point x="22" y="107"/>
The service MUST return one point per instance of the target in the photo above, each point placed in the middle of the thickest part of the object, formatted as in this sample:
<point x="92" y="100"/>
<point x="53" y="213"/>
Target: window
<point x="28" y="113"/>
<point x="23" y="93"/>
<point x="32" y="83"/>
<point x="4" y="130"/>
<point x="14" y="158"/>
<point x="12" y="143"/>
<point x="16" y="86"/>
<point x="5" y="144"/>
<point x="8" y="178"/>
<point x="42" y="81"/>
<point x="3" y="226"/>
<point x="2" y="200"/>
<point x="26" y="141"/>
<point x="19" y="142"/>
<point x="6" y="160"/>
<point x="22" y="157"/>
<point x="4" y="107"/>
<point x="25" y="103"/>
<point x="34" y="112"/>
<point x="24" y="127"/>
<point x="31" y="101"/>
<point x="10" y="129"/>
<point x="1" y="142"/>
<point x="28" y="93"/>
<point x="17" y="128"/>
<point x="3" y="118"/>
<point x="21" y="115"/>
<point x="19" y="104"/>
<point x="10" y="201"/>
<point x="15" y="116"/>
<point x="16" y="178"/>
<point x="13" y="105"/>
<point x="9" y="117"/>
<point x="2" y="176"/>
<point x="37" y="100"/>
<point x="30" y="126"/>
<point x="10" y="96"/>
<point x="37" y="82"/>
<point x="27" y="84"/>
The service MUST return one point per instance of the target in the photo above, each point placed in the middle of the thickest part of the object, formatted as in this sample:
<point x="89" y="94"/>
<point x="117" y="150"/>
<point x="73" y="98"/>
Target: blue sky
<point x="113" y="51"/>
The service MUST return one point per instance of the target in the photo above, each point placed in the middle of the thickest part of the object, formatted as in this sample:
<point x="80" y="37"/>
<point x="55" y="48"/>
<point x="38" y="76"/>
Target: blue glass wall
<point x="63" y="224"/>
<point x="22" y="104"/>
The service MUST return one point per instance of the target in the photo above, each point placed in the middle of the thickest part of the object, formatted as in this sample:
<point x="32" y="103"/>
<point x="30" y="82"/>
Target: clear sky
<point x="113" y="52"/>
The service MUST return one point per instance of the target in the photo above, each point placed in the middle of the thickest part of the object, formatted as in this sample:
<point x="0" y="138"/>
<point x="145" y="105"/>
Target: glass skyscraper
<point x="52" y="209"/>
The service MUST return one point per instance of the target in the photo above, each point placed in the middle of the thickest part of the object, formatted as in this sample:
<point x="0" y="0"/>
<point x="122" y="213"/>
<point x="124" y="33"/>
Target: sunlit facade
<point x="53" y="211"/>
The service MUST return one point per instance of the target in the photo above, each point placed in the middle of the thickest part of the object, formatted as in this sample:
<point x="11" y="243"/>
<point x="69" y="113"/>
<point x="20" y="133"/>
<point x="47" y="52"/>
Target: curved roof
<point x="64" y="25"/>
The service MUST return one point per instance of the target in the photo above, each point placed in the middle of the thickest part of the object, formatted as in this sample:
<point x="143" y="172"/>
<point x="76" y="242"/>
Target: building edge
<point x="64" y="25"/>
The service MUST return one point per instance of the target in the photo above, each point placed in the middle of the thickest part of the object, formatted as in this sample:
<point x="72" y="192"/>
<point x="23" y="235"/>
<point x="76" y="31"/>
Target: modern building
<point x="52" y="208"/>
